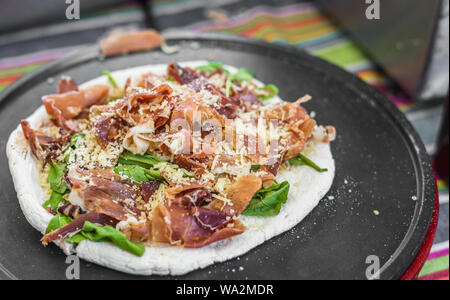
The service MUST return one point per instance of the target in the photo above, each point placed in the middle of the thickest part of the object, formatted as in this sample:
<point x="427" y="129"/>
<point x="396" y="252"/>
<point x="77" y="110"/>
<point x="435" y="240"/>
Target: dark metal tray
<point x="380" y="160"/>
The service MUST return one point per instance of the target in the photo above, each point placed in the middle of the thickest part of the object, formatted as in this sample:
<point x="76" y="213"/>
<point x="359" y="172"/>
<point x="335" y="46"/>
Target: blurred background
<point x="399" y="46"/>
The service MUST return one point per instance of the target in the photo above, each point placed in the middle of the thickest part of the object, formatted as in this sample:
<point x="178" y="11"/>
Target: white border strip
<point x="443" y="198"/>
<point x="439" y="246"/>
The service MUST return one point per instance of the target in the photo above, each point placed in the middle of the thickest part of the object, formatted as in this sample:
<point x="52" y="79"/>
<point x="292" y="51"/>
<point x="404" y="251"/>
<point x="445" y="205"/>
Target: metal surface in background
<point x="381" y="165"/>
<point x="400" y="41"/>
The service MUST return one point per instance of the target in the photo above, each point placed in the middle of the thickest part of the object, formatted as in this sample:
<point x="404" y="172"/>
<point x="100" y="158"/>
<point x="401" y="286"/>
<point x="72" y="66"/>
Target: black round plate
<point x="381" y="166"/>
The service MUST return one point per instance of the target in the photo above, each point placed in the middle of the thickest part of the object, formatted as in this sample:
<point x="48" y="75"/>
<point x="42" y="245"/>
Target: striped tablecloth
<point x="296" y="23"/>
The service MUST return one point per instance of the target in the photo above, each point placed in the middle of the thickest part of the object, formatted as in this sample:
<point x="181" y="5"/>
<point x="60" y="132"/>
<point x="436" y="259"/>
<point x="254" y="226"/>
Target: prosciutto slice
<point x="210" y="219"/>
<point x="41" y="144"/>
<point x="76" y="225"/>
<point x="239" y="193"/>
<point x="148" y="189"/>
<point x="69" y="105"/>
<point x="115" y="189"/>
<point x="226" y="107"/>
<point x="107" y="129"/>
<point x="180" y="74"/>
<point x="150" y="81"/>
<point x="182" y="220"/>
<point x="192" y="229"/>
<point x="141" y="232"/>
<point x="31" y="137"/>
<point x="104" y="194"/>
<point x="176" y="191"/>
<point x="192" y="162"/>
<point x="67" y="84"/>
<point x="247" y="99"/>
<point x="126" y="42"/>
<point x="100" y="201"/>
<point x="71" y="210"/>
<point x="135" y="108"/>
<point x="194" y="197"/>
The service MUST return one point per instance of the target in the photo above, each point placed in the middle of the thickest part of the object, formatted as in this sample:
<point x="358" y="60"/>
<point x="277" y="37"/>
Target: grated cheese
<point x="89" y="154"/>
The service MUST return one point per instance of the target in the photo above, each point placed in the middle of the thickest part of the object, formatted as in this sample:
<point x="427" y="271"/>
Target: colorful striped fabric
<point x="301" y="25"/>
<point x="436" y="267"/>
<point x="13" y="68"/>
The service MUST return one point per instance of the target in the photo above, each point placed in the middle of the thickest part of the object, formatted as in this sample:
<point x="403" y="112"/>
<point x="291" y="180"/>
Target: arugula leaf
<point x="146" y="161"/>
<point x="110" y="78"/>
<point x="211" y="67"/>
<point x="57" y="221"/>
<point x="106" y="233"/>
<point x="127" y="162"/>
<point x="72" y="145"/>
<point x="255" y="168"/>
<point x="269" y="91"/>
<point x="139" y="167"/>
<point x="76" y="239"/>
<point x="111" y="100"/>
<point x="170" y="79"/>
<point x="241" y="76"/>
<point x="267" y="202"/>
<point x="97" y="234"/>
<point x="57" y="185"/>
<point x="60" y="220"/>
<point x="74" y="139"/>
<point x="54" y="201"/>
<point x="54" y="178"/>
<point x="302" y="160"/>
<point x="138" y="173"/>
<point x="170" y="49"/>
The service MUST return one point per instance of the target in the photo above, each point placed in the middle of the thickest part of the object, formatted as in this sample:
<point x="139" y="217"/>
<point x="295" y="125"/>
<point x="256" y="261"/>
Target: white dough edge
<point x="307" y="188"/>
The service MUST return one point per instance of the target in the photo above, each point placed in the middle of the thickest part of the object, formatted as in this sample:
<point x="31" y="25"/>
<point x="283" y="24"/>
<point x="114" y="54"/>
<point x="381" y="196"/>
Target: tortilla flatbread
<point x="307" y="188"/>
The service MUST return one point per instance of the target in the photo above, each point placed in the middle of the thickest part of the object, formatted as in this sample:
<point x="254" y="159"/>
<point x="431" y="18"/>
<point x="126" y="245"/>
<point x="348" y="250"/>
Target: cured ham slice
<point x="148" y="189"/>
<point x="139" y="233"/>
<point x="286" y="112"/>
<point x="210" y="219"/>
<point x="126" y="42"/>
<point x="239" y="193"/>
<point x="135" y="108"/>
<point x="192" y="229"/>
<point x="301" y="132"/>
<point x="67" y="84"/>
<point x="190" y="111"/>
<point x="192" y="162"/>
<point x="98" y="200"/>
<point x="173" y="192"/>
<point x="181" y="75"/>
<point x="71" y="210"/>
<point x="105" y="193"/>
<point x="71" y="104"/>
<point x="31" y="137"/>
<point x="76" y="225"/>
<point x="184" y="221"/>
<point x="195" y="197"/>
<point x="226" y="107"/>
<point x="108" y="129"/>
<point x="39" y="142"/>
<point x="105" y="174"/>
<point x="115" y="189"/>
<point x="247" y="99"/>
<point x="150" y="81"/>
<point x="199" y="241"/>
<point x="154" y="96"/>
